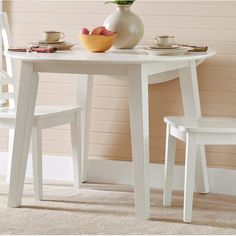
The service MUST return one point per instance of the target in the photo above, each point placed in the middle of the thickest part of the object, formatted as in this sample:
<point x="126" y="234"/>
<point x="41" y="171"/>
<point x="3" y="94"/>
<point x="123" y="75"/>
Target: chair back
<point x="7" y="88"/>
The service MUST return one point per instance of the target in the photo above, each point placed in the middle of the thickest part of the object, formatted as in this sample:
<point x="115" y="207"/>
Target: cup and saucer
<point x="54" y="39"/>
<point x="165" y="45"/>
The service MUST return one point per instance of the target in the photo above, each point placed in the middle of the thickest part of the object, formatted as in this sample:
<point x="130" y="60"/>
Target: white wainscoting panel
<point x="59" y="169"/>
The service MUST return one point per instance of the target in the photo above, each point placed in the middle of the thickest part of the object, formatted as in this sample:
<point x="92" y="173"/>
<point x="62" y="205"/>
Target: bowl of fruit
<point x="98" y="40"/>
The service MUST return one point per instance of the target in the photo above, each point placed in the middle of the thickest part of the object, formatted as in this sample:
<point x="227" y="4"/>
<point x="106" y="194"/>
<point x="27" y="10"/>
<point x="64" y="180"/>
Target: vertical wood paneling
<point x="194" y="22"/>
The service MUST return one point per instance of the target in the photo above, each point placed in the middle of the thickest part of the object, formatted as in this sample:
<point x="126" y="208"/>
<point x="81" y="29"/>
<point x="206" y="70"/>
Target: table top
<point x="113" y="56"/>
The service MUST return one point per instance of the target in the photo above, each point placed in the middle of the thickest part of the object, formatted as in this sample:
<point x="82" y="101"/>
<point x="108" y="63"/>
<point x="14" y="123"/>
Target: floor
<point x="108" y="209"/>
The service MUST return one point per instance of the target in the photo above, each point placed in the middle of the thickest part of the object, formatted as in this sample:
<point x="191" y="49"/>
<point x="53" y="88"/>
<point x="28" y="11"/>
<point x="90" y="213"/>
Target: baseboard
<point x="59" y="168"/>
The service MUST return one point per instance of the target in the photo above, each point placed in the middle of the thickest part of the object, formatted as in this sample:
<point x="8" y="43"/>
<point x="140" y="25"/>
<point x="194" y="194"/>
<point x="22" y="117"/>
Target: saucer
<point x="64" y="46"/>
<point x="165" y="47"/>
<point x="59" y="46"/>
<point x="166" y="51"/>
<point x="48" y="42"/>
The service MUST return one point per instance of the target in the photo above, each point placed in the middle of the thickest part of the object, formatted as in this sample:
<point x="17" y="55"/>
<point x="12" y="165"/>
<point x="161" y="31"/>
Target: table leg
<point x="138" y="101"/>
<point x="192" y="107"/>
<point x="10" y="148"/>
<point x="84" y="98"/>
<point x="24" y="120"/>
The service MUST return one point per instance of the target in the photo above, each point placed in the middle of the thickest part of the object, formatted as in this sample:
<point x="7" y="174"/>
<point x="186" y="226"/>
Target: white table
<point x="138" y="66"/>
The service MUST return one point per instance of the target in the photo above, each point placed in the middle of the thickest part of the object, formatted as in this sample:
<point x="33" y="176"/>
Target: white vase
<point x="128" y="26"/>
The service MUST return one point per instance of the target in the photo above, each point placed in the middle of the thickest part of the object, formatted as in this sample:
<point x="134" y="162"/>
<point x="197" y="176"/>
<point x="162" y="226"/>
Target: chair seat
<point x="41" y="111"/>
<point x="203" y="124"/>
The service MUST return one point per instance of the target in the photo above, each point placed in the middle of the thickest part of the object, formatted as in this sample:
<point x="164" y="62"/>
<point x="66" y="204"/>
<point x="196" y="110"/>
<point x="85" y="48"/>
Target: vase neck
<point x="123" y="7"/>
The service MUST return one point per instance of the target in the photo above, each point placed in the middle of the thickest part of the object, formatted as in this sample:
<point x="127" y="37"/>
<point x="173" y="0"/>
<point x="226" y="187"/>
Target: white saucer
<point x="48" y="42"/>
<point x="166" y="51"/>
<point x="66" y="46"/>
<point x="162" y="47"/>
<point x="62" y="45"/>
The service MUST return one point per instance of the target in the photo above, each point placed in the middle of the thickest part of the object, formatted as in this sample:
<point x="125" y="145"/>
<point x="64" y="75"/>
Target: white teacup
<point x="164" y="41"/>
<point x="52" y="36"/>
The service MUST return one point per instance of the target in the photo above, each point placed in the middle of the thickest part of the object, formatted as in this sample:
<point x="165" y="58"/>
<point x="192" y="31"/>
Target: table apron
<point x="106" y="69"/>
<point x="156" y="68"/>
<point x="78" y="68"/>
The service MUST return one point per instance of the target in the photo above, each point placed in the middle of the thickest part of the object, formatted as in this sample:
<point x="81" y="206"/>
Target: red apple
<point x="84" y="31"/>
<point x="107" y="32"/>
<point x="98" y="30"/>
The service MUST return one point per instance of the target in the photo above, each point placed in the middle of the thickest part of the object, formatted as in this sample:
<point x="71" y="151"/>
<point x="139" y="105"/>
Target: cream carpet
<point x="109" y="209"/>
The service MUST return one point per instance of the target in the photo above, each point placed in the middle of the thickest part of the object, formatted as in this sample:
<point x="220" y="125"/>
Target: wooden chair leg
<point x="76" y="140"/>
<point x="84" y="98"/>
<point x="37" y="162"/>
<point x="10" y="148"/>
<point x="201" y="175"/>
<point x="169" y="166"/>
<point x="191" y="103"/>
<point x="190" y="166"/>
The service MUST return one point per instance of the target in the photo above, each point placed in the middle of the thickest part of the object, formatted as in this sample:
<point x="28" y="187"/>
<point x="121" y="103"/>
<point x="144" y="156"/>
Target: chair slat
<point x="4" y="74"/>
<point x="6" y="81"/>
<point x="4" y="96"/>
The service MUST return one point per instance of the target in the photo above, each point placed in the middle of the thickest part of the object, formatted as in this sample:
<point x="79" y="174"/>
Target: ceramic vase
<point x="128" y="26"/>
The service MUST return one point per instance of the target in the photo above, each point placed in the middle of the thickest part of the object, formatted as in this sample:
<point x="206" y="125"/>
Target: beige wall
<point x="200" y="23"/>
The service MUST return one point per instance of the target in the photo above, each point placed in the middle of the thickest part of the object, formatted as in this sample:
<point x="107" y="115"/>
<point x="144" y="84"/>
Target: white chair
<point x="193" y="131"/>
<point x="45" y="117"/>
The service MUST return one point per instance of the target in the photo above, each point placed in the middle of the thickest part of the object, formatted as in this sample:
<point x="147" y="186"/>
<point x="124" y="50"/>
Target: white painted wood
<point x="163" y="77"/>
<point x="138" y="100"/>
<point x="7" y="79"/>
<point x="44" y="117"/>
<point x="190" y="166"/>
<point x="10" y="149"/>
<point x="77" y="153"/>
<point x="84" y="97"/>
<point x="135" y="65"/>
<point x="57" y="119"/>
<point x="192" y="108"/>
<point x="7" y="42"/>
<point x="84" y="68"/>
<point x="5" y="76"/>
<point x="204" y="124"/>
<point x="6" y="96"/>
<point x="37" y="161"/>
<point x="87" y="126"/>
<point x="196" y="131"/>
<point x="189" y="88"/>
<point x="36" y="149"/>
<point x="169" y="166"/>
<point x="120" y="172"/>
<point x="24" y="121"/>
<point x="165" y="65"/>
<point x="112" y="57"/>
<point x="177" y="133"/>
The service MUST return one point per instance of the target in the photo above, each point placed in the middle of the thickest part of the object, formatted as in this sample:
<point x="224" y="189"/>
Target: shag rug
<point x="109" y="209"/>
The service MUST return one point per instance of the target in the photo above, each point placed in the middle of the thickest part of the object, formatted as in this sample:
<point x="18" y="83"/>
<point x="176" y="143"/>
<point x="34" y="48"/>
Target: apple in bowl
<point x="84" y="31"/>
<point x="98" y="40"/>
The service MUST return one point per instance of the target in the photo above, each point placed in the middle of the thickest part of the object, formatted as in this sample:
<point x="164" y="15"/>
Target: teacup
<point x="164" y="41"/>
<point x="53" y="36"/>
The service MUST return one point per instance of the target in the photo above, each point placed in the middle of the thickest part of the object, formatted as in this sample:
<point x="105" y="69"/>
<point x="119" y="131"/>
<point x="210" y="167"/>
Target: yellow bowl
<point x="97" y="43"/>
